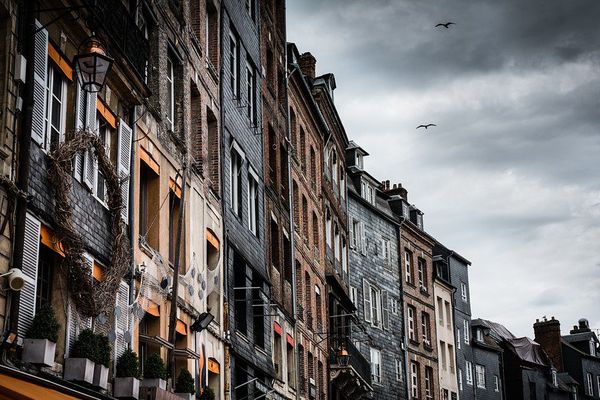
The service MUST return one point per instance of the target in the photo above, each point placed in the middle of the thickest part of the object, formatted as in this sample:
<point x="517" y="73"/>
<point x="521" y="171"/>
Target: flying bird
<point x="446" y="25"/>
<point x="426" y="126"/>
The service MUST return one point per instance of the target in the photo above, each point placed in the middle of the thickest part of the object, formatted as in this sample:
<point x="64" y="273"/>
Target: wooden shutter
<point x="31" y="247"/>
<point x="121" y="319"/>
<point x="124" y="160"/>
<point x="40" y="76"/>
<point x="385" y="309"/>
<point x="367" y="300"/>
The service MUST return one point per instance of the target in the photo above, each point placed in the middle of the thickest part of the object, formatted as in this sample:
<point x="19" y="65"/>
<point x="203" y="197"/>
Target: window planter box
<point x="39" y="351"/>
<point x="79" y="370"/>
<point x="154" y="382"/>
<point x="100" y="376"/>
<point x="126" y="388"/>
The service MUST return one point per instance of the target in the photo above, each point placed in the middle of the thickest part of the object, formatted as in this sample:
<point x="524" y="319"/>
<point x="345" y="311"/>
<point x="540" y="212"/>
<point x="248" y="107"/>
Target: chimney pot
<point x="308" y="65"/>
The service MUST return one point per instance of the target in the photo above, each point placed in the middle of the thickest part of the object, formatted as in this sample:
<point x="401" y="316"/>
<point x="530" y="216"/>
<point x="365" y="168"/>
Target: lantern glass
<point x="92" y="66"/>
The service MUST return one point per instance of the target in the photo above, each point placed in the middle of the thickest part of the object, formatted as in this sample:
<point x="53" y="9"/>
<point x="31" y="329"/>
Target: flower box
<point x="38" y="351"/>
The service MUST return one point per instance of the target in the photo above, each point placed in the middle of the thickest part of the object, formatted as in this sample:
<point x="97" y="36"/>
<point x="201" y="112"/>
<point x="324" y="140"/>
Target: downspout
<point x="23" y="159"/>
<point x="405" y="350"/>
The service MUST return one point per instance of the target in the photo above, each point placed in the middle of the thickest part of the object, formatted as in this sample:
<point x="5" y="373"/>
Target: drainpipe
<point x="23" y="158"/>
<point x="405" y="342"/>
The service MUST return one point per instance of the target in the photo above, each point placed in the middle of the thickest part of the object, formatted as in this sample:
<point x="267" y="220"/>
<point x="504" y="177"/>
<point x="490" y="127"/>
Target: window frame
<point x="251" y="93"/>
<point x="170" y="80"/>
<point x="410" y="321"/>
<point x="234" y="65"/>
<point x="469" y="372"/>
<point x="480" y="376"/>
<point x="253" y="201"/>
<point x="466" y="332"/>
<point x="376" y="374"/>
<point x="237" y="157"/>
<point x="52" y="73"/>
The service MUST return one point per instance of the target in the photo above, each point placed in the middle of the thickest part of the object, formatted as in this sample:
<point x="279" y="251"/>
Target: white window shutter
<point x="90" y="112"/>
<point x="80" y="123"/>
<point x="386" y="311"/>
<point x="367" y="300"/>
<point x="121" y="319"/>
<point x="40" y="76"/>
<point x="31" y="248"/>
<point x="124" y="160"/>
<point x="90" y="165"/>
<point x="363" y="239"/>
<point x="351" y="233"/>
<point x="73" y="324"/>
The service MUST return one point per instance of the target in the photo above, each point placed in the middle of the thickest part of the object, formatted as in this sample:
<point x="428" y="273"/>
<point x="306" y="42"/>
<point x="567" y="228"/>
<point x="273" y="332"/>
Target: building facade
<point x="375" y="283"/>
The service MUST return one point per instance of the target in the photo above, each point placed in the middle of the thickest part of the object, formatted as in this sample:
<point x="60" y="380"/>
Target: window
<point x="353" y="294"/>
<point x="359" y="161"/>
<point x="466" y="331"/>
<point x="108" y="138"/>
<point x="375" y="294"/>
<point x="394" y="306"/>
<point x="422" y="268"/>
<point x="241" y="292"/>
<point x="590" y="385"/>
<point x="410" y="320"/>
<point x="43" y="292"/>
<point x="460" y="381"/>
<point x="253" y="205"/>
<point x="469" y="373"/>
<point x="212" y="27"/>
<point x="592" y="347"/>
<point x="428" y="383"/>
<point x="408" y="267"/>
<point x="386" y="251"/>
<point x="376" y="365"/>
<point x="479" y="334"/>
<point x="277" y="344"/>
<point x="258" y="312"/>
<point x="448" y="314"/>
<point x="497" y="382"/>
<point x="251" y="93"/>
<point x="56" y="94"/>
<point x="426" y="328"/>
<point x="328" y="232"/>
<point x="235" y="179"/>
<point x="414" y="380"/>
<point x="170" y="94"/>
<point x="458" y="340"/>
<point x="480" y="376"/>
<point x="234" y="68"/>
<point x="355" y="234"/>
<point x="451" y="358"/>
<point x="463" y="292"/>
<point x="398" y="369"/>
<point x="149" y="206"/>
<point x="442" y="351"/>
<point x="440" y="312"/>
<point x="250" y="9"/>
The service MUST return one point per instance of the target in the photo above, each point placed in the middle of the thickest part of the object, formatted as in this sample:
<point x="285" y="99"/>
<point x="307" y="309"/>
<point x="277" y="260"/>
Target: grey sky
<point x="510" y="178"/>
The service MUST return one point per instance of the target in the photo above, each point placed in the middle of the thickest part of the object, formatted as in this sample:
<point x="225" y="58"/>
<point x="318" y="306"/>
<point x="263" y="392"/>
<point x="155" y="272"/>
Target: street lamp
<point x="343" y="357"/>
<point x="202" y="322"/>
<point x="92" y="65"/>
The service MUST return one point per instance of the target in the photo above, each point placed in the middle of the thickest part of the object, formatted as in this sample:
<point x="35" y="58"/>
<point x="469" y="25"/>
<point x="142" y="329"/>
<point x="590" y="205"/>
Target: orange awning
<point x="212" y="239"/>
<point x="98" y="272"/>
<point x="13" y="388"/>
<point x="62" y="63"/>
<point x="49" y="240"/>
<point x="181" y="328"/>
<point x="152" y="308"/>
<point x="213" y="365"/>
<point x="106" y="113"/>
<point x="149" y="161"/>
<point x="175" y="187"/>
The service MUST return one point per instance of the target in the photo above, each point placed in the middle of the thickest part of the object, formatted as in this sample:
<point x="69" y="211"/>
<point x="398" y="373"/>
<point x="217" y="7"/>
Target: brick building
<point x="307" y="132"/>
<point x="375" y="278"/>
<point x="416" y="249"/>
<point x="276" y="150"/>
<point x="248" y="310"/>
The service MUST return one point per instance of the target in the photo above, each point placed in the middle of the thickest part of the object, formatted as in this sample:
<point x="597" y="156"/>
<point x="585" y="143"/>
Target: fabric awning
<point x="63" y="64"/>
<point x="212" y="239"/>
<point x="152" y="308"/>
<point x="12" y="388"/>
<point x="149" y="161"/>
<point x="213" y="365"/>
<point x="106" y="113"/>
<point x="181" y="327"/>
<point x="98" y="272"/>
<point x="175" y="187"/>
<point x="290" y="340"/>
<point x="277" y="328"/>
<point x="49" y="240"/>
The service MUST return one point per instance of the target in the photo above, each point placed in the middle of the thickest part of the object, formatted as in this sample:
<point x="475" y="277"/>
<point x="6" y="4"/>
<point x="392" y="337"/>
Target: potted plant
<point x="184" y="387"/>
<point x="101" y="360"/>
<point x="39" y="344"/>
<point x="207" y="394"/>
<point x="126" y="384"/>
<point x="155" y="373"/>
<point x="80" y="364"/>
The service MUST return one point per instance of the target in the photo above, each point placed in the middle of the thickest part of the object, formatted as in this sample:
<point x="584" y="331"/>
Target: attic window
<point x="479" y="335"/>
<point x="592" y="347"/>
<point x="359" y="160"/>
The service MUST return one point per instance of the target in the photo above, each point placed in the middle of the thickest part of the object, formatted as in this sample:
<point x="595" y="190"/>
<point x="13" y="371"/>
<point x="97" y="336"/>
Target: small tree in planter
<point x="127" y="384"/>
<point x="207" y="394"/>
<point x="102" y="360"/>
<point x="80" y="364"/>
<point x="184" y="387"/>
<point x="40" y="341"/>
<point x="155" y="373"/>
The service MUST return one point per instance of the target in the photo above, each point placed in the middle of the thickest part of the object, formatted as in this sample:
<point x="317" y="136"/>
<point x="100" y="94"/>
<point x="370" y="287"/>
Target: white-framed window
<point x="399" y="375"/>
<point x="251" y="93"/>
<point x="376" y="365"/>
<point x="448" y="314"/>
<point x="394" y="305"/>
<point x="371" y="194"/>
<point x="56" y="108"/>
<point x="235" y="179"/>
<point x="170" y="93"/>
<point x="376" y="314"/>
<point x="480" y="376"/>
<point x="466" y="330"/>
<point x="414" y="380"/>
<point x="234" y="66"/>
<point x="458" y="339"/>
<point x="410" y="322"/>
<point x="428" y="383"/>
<point x="250" y="9"/>
<point x="590" y="385"/>
<point x="353" y="294"/>
<point x="440" y="311"/>
<point x="359" y="161"/>
<point x="460" y="380"/>
<point x="408" y="267"/>
<point x="355" y="235"/>
<point x="386" y="251"/>
<point x="497" y="381"/>
<point x="426" y="328"/>
<point x="422" y="268"/>
<point x="108" y="137"/>
<point x="479" y="333"/>
<point x="328" y="230"/>
<point x="451" y="358"/>
<point x="592" y="347"/>
<point x="469" y="373"/>
<point x="463" y="292"/>
<point x="253" y="205"/>
<point x="442" y="351"/>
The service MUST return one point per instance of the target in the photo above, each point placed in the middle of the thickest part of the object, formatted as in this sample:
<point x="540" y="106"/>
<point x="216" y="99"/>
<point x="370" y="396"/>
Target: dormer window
<point x="367" y="192"/>
<point x="420" y="221"/>
<point x="359" y="161"/>
<point x="593" y="347"/>
<point x="405" y="209"/>
<point x="479" y="335"/>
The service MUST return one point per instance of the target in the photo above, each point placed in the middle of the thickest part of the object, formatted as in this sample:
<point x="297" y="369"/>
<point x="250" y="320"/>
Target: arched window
<point x="328" y="227"/>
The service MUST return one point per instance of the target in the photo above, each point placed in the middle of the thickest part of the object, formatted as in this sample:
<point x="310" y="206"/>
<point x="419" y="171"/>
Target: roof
<point x="579" y="337"/>
<point x="529" y="351"/>
<point x="497" y="329"/>
<point x="352" y="145"/>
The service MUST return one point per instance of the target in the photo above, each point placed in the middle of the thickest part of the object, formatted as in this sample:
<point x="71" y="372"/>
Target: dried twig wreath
<point x="91" y="297"/>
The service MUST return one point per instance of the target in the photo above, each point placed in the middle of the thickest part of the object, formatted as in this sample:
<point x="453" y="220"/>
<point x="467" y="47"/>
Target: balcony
<point x="351" y="381"/>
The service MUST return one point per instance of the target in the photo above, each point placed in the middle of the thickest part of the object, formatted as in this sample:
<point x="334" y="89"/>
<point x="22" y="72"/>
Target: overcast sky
<point x="510" y="177"/>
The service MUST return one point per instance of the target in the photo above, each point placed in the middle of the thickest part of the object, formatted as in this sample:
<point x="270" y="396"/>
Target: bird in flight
<point x="426" y="126"/>
<point x="446" y="25"/>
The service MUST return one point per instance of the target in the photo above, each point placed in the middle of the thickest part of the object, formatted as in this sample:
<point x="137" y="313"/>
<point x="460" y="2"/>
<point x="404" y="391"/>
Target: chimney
<point x="547" y="335"/>
<point x="396" y="189"/>
<point x="584" y="326"/>
<point x="308" y="65"/>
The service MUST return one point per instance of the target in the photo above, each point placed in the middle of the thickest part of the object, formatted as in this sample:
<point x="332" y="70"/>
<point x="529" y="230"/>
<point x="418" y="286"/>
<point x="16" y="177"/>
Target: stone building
<point x="375" y="280"/>
<point x="576" y="354"/>
<point x="307" y="131"/>
<point x="248" y="312"/>
<point x="276" y="169"/>
<point x="416" y="249"/>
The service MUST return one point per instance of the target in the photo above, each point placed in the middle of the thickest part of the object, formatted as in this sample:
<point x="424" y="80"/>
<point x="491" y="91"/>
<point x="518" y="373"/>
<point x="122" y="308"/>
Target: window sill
<point x="428" y="347"/>
<point x="414" y="342"/>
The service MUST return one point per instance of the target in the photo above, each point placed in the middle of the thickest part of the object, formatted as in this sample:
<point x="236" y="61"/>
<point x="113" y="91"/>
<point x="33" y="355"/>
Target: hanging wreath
<point x="91" y="297"/>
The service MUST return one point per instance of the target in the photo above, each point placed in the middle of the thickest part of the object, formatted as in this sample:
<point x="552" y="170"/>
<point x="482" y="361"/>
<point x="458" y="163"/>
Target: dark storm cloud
<point x="510" y="177"/>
